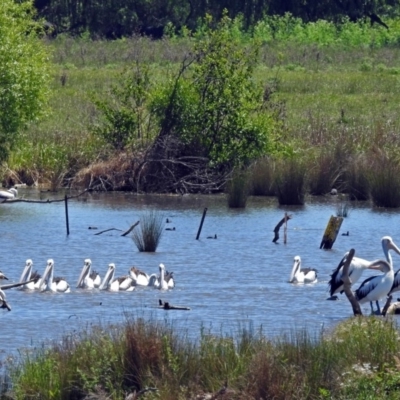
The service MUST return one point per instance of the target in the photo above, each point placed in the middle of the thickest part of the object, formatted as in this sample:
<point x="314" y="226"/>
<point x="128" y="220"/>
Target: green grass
<point x="359" y="359"/>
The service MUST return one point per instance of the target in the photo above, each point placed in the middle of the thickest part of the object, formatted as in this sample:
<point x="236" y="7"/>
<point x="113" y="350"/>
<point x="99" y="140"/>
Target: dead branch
<point x="20" y="200"/>
<point x="107" y="230"/>
<point x="387" y="305"/>
<point x="131" y="229"/>
<point x="281" y="222"/>
<point x="347" y="284"/>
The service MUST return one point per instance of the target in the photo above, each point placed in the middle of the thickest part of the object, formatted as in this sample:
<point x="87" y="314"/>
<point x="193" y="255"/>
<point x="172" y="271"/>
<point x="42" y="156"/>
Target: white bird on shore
<point x="376" y="287"/>
<point x="49" y="283"/>
<point x="9" y="193"/>
<point x="302" y="275"/>
<point x="357" y="266"/>
<point x="88" y="279"/>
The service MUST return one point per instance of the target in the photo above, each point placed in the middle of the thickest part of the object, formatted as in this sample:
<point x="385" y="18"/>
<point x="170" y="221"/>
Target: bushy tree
<point x="24" y="69"/>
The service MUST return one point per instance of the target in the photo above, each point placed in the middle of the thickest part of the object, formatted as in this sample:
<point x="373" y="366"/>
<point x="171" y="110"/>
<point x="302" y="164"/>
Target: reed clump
<point x="150" y="357"/>
<point x="262" y="177"/>
<point x="356" y="178"/>
<point x="384" y="179"/>
<point x="148" y="234"/>
<point x="290" y="181"/>
<point x="238" y="189"/>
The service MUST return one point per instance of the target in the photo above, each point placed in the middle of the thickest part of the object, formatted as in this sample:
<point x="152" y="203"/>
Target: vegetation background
<point x="189" y="95"/>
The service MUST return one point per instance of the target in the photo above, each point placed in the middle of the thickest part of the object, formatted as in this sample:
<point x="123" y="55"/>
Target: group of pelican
<point x="90" y="279"/>
<point x="372" y="289"/>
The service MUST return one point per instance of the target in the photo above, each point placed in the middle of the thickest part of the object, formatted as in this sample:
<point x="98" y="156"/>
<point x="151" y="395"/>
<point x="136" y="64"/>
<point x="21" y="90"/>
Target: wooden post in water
<point x="285" y="229"/>
<point x="201" y="223"/>
<point x="66" y="213"/>
<point x="331" y="232"/>
<point x="347" y="284"/>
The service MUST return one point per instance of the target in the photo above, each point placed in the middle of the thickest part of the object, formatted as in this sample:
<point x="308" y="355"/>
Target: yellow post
<point x="331" y="232"/>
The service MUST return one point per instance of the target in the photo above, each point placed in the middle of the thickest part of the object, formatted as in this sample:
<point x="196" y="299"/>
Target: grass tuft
<point x="148" y="234"/>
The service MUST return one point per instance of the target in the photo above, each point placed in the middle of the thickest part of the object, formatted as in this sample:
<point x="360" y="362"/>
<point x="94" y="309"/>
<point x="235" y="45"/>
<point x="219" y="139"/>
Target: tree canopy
<point x="24" y="71"/>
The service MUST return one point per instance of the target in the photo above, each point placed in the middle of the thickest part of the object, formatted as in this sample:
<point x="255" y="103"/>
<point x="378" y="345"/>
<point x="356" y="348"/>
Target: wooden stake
<point x="66" y="213"/>
<point x="201" y="223"/>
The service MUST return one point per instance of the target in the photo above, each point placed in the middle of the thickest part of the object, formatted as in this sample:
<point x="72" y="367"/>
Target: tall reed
<point x="290" y="181"/>
<point x="262" y="177"/>
<point x="384" y="179"/>
<point x="238" y="189"/>
<point x="356" y="178"/>
<point x="148" y="234"/>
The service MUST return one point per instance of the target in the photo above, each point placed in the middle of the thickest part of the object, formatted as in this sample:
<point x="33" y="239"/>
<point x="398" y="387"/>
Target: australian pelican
<point x="9" y="194"/>
<point x="124" y="283"/>
<point x="302" y="275"/>
<point x="3" y="301"/>
<point x="49" y="283"/>
<point x="2" y="276"/>
<point x="27" y="276"/>
<point x="88" y="279"/>
<point x="163" y="282"/>
<point x="357" y="266"/>
<point x="376" y="287"/>
<point x="141" y="278"/>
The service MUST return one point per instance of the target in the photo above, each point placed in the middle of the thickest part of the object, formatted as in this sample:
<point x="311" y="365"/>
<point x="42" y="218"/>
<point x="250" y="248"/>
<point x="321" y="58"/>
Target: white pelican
<point x="114" y="285"/>
<point x="165" y="281"/>
<point x="88" y="279"/>
<point x="2" y="276"/>
<point x="357" y="266"/>
<point x="49" y="283"/>
<point x="28" y="275"/>
<point x="9" y="194"/>
<point x="3" y="301"/>
<point x="305" y="275"/>
<point x="376" y="287"/>
<point x="141" y="278"/>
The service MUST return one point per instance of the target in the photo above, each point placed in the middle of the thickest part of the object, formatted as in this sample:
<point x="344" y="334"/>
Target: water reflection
<point x="240" y="279"/>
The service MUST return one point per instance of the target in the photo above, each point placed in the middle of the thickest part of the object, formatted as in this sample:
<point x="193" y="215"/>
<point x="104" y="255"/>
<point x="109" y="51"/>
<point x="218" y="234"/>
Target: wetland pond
<point x="238" y="280"/>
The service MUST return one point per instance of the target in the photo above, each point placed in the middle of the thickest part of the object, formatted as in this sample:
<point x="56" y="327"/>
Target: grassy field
<point x="338" y="102"/>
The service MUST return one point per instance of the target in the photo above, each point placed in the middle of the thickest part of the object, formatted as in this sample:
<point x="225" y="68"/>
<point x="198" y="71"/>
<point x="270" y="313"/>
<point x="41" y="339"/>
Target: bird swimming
<point x="164" y="281"/>
<point x="88" y="279"/>
<point x="51" y="284"/>
<point x="305" y="275"/>
<point x="2" y="276"/>
<point x="33" y="278"/>
<point x="357" y="266"/>
<point x="124" y="283"/>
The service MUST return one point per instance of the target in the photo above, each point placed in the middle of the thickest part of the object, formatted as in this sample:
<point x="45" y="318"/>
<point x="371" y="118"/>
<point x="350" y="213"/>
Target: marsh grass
<point x="262" y="177"/>
<point x="384" y="179"/>
<point x="290" y="181"/>
<point x="357" y="355"/>
<point x="148" y="234"/>
<point x="238" y="189"/>
<point x="356" y="178"/>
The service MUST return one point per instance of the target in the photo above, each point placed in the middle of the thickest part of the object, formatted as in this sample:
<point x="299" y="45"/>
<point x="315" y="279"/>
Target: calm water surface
<point x="238" y="280"/>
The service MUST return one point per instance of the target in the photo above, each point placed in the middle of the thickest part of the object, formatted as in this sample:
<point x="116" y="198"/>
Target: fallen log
<point x="167" y="306"/>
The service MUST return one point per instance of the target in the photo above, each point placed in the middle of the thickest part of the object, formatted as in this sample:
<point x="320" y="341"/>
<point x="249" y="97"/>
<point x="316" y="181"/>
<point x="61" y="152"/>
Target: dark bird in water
<point x="168" y="221"/>
<point x="212" y="237"/>
<point x="170" y="229"/>
<point x="374" y="18"/>
<point x="346" y="233"/>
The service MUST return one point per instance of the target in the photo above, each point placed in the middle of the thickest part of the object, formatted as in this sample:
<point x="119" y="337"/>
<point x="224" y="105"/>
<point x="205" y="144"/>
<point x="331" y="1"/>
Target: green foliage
<point x="125" y="119"/>
<point x="24" y="71"/>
